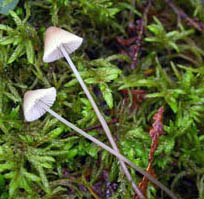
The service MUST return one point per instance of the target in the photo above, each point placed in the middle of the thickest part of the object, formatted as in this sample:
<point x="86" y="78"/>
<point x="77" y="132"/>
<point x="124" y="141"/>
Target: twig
<point x="135" y="41"/>
<point x="198" y="25"/>
<point x="155" y="132"/>
<point x="140" y="35"/>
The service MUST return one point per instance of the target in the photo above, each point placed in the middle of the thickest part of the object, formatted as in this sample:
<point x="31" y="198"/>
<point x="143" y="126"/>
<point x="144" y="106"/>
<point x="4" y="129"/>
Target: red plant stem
<point x="198" y="25"/>
<point x="155" y="132"/>
<point x="140" y="35"/>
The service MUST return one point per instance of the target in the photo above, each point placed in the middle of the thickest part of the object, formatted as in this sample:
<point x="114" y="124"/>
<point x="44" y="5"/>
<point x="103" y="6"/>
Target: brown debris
<point x="138" y="96"/>
<point x="155" y="132"/>
<point x="125" y="42"/>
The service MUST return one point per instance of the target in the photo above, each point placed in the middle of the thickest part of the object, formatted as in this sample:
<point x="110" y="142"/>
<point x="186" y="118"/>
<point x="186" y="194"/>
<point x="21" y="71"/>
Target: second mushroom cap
<point x="32" y="102"/>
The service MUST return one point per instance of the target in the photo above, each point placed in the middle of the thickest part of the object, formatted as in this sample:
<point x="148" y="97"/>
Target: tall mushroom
<point x="37" y="102"/>
<point x="60" y="43"/>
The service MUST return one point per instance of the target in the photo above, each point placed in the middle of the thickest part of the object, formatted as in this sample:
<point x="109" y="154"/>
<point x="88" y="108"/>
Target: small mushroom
<point x="37" y="102"/>
<point x="60" y="43"/>
<point x="34" y="102"/>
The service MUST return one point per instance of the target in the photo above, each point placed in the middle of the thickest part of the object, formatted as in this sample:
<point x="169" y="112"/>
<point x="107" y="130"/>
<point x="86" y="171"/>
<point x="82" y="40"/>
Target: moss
<point x="45" y="159"/>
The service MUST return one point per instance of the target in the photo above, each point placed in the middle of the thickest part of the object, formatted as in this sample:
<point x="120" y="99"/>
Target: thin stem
<point x="101" y="119"/>
<point x="102" y="145"/>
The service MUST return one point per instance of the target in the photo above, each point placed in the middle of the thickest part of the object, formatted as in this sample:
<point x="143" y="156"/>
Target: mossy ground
<point x="137" y="56"/>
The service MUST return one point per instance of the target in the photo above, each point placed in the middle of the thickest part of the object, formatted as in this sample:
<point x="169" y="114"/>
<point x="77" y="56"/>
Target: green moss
<point x="45" y="159"/>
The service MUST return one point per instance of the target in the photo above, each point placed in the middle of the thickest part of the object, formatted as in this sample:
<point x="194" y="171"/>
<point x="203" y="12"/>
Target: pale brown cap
<point x="54" y="38"/>
<point x="32" y="102"/>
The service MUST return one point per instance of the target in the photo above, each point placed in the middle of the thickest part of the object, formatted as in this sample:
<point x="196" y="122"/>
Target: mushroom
<point x="32" y="106"/>
<point x="37" y="102"/>
<point x="60" y="43"/>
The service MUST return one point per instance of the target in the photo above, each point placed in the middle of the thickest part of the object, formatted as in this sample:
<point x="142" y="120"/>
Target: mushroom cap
<point x="32" y="104"/>
<point x="54" y="38"/>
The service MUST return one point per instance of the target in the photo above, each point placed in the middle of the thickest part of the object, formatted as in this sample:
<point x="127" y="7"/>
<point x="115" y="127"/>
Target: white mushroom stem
<point x="101" y="119"/>
<point x="102" y="145"/>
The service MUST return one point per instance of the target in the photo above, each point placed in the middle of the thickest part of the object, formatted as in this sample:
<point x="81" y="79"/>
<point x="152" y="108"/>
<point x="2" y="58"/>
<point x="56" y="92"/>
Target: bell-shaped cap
<point x="33" y="100"/>
<point x="54" y="38"/>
